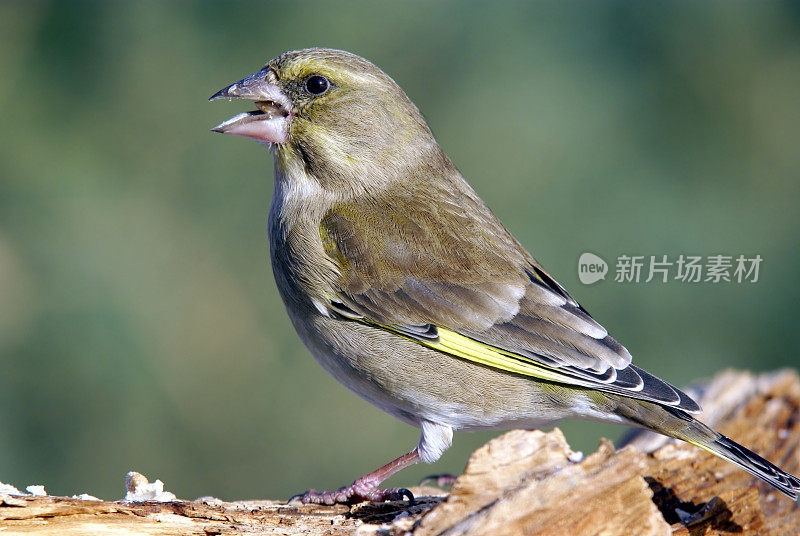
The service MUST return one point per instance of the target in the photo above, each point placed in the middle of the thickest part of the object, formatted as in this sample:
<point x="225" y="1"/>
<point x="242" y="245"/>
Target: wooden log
<point x="523" y="482"/>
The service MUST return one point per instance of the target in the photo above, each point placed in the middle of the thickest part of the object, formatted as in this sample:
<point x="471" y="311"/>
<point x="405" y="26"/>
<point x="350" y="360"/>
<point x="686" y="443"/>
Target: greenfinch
<point x="409" y="291"/>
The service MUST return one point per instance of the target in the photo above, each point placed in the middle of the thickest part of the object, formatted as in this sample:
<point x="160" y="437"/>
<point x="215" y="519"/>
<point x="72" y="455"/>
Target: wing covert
<point x="463" y="285"/>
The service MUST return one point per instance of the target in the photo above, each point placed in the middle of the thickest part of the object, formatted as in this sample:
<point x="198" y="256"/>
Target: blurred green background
<point x="140" y="327"/>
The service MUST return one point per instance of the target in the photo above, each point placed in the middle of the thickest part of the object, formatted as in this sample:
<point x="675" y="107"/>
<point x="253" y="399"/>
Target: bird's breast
<point x="303" y="271"/>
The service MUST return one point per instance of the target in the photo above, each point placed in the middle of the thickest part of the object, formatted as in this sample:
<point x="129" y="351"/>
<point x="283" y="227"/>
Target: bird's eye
<point x="317" y="84"/>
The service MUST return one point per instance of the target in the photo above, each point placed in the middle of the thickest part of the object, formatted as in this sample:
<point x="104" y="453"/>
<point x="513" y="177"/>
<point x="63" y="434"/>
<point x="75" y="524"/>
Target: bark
<point x="520" y="483"/>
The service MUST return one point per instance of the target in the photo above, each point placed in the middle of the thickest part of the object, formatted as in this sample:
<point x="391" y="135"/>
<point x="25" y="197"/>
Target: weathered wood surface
<point x="519" y="483"/>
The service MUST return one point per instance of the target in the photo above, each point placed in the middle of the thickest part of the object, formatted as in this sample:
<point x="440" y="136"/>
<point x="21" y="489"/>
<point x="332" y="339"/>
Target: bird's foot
<point x="354" y="493"/>
<point x="442" y="481"/>
<point x="365" y="488"/>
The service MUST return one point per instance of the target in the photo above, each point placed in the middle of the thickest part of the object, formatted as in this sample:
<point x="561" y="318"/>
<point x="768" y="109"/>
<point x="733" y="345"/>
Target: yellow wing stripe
<point x="455" y="344"/>
<point x="461" y="346"/>
<point x="466" y="348"/>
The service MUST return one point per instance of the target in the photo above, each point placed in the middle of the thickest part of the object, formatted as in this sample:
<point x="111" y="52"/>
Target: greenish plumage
<point x="409" y="291"/>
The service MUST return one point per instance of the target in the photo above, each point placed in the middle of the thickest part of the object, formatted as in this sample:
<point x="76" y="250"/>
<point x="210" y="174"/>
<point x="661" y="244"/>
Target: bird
<point x="408" y="290"/>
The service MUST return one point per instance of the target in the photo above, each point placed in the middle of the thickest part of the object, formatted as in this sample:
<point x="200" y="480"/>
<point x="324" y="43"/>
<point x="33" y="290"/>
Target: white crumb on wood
<point x="139" y="489"/>
<point x="575" y="457"/>
<point x="36" y="490"/>
<point x="9" y="489"/>
<point x="86" y="497"/>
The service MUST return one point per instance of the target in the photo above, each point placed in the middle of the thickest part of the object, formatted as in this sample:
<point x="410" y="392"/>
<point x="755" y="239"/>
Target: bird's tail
<point x="702" y="436"/>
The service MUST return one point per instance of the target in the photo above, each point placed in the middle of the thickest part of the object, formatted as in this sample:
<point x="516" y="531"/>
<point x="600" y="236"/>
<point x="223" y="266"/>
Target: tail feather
<point x="751" y="462"/>
<point x="692" y="431"/>
<point x="677" y="423"/>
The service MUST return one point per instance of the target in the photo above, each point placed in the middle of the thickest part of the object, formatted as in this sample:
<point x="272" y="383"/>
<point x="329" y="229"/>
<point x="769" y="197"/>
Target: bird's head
<point x="333" y="110"/>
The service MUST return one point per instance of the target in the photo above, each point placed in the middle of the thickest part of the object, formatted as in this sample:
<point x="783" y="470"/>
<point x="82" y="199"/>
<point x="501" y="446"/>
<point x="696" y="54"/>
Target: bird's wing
<point x="448" y="275"/>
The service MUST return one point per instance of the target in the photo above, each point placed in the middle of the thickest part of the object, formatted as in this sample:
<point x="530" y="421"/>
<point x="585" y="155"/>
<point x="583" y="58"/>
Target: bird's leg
<point x="366" y="487"/>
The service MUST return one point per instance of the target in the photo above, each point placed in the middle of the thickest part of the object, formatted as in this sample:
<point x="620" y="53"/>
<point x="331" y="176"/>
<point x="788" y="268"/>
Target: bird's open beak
<point x="268" y="124"/>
